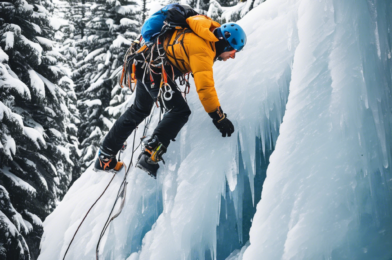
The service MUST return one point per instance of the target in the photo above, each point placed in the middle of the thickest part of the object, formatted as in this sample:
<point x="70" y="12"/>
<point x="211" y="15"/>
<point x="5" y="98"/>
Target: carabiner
<point x="168" y="92"/>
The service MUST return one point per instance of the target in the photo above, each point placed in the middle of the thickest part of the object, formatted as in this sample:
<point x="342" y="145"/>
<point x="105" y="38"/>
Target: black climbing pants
<point x="177" y="112"/>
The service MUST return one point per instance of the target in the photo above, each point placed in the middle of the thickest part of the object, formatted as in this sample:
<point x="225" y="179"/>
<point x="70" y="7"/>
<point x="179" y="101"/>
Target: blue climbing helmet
<point x="234" y="35"/>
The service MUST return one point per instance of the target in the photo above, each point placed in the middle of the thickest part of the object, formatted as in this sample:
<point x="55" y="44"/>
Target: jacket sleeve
<point x="201" y="63"/>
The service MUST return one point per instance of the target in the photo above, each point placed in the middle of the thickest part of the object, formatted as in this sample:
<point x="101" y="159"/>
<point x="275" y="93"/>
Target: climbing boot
<point x="152" y="154"/>
<point x="107" y="162"/>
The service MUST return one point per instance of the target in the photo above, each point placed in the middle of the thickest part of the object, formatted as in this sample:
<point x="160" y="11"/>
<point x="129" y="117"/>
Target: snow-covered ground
<point x="328" y="189"/>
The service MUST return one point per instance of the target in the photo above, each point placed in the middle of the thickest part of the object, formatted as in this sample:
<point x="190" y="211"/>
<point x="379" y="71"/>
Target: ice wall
<point x="176" y="216"/>
<point x="329" y="183"/>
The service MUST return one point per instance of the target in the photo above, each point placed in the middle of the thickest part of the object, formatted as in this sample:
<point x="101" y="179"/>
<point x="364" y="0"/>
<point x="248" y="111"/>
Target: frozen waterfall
<point x="328" y="187"/>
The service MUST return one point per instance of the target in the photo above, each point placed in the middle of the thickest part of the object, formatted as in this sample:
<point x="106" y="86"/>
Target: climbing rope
<point x="121" y="193"/>
<point x="87" y="215"/>
<point x="129" y="79"/>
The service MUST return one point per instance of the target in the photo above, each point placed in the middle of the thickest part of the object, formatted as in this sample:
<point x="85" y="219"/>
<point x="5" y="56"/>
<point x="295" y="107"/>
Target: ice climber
<point x="187" y="50"/>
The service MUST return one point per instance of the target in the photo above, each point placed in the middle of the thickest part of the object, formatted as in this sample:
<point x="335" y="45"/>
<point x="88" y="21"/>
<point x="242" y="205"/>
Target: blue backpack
<point x="174" y="15"/>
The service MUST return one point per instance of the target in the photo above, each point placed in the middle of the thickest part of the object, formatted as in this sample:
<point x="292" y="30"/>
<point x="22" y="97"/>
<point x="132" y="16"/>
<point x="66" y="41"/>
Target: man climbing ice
<point x="194" y="50"/>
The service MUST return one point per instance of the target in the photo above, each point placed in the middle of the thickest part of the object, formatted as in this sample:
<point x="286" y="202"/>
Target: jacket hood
<point x="203" y="26"/>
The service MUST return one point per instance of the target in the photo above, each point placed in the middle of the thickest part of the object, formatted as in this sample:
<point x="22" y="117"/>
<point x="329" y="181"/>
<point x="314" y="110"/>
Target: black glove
<point x="220" y="120"/>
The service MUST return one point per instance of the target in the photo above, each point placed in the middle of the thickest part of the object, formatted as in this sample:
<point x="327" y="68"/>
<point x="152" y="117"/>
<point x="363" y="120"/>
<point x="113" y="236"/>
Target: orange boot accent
<point x="119" y="166"/>
<point x="104" y="164"/>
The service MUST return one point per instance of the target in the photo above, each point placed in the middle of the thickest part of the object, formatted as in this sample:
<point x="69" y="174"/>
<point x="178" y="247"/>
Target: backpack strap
<point x="179" y="38"/>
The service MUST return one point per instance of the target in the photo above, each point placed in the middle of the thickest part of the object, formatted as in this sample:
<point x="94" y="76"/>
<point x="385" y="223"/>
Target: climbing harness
<point x="154" y="61"/>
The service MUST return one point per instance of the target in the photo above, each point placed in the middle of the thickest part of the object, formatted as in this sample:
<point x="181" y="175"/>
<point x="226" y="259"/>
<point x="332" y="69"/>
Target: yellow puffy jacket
<point x="194" y="51"/>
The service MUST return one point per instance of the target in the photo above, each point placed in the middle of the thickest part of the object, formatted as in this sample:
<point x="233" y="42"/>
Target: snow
<point x="9" y="38"/>
<point x="45" y="42"/>
<point x="65" y="152"/>
<point x="154" y="7"/>
<point x="56" y="133"/>
<point x="25" y="6"/>
<point x="17" y="119"/>
<point x="72" y="127"/>
<point x="95" y="85"/>
<point x="57" y="22"/>
<point x="328" y="183"/>
<point x="94" y="53"/>
<point x="20" y="223"/>
<point x="36" y="83"/>
<point x="4" y="111"/>
<point x="50" y="111"/>
<point x="34" y="136"/>
<point x="9" y="146"/>
<point x="121" y="41"/>
<point x="91" y="103"/>
<point x="43" y="180"/>
<point x="52" y="87"/>
<point x="28" y="226"/>
<point x="56" y="54"/>
<point x="3" y="56"/>
<point x="18" y="181"/>
<point x="36" y="220"/>
<point x="107" y="58"/>
<point x="36" y="28"/>
<point x="107" y="122"/>
<point x="127" y="9"/>
<point x="33" y="46"/>
<point x="128" y="22"/>
<point x="10" y="226"/>
<point x="8" y="80"/>
<point x="13" y="28"/>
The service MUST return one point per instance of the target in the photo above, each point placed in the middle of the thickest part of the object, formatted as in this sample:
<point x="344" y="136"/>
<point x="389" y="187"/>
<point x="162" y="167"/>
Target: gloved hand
<point x="220" y="120"/>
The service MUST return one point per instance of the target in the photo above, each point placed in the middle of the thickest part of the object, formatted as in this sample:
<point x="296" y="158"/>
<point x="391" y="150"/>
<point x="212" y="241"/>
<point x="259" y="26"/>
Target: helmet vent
<point x="234" y="41"/>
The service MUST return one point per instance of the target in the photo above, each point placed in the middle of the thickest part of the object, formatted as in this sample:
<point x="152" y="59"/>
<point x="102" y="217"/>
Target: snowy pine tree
<point x="225" y="11"/>
<point x="110" y="31"/>
<point x="37" y="132"/>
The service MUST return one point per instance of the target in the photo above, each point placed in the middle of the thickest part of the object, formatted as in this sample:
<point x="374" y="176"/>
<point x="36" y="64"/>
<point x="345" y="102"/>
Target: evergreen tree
<point x="38" y="156"/>
<point x="110" y="31"/>
<point x="224" y="11"/>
